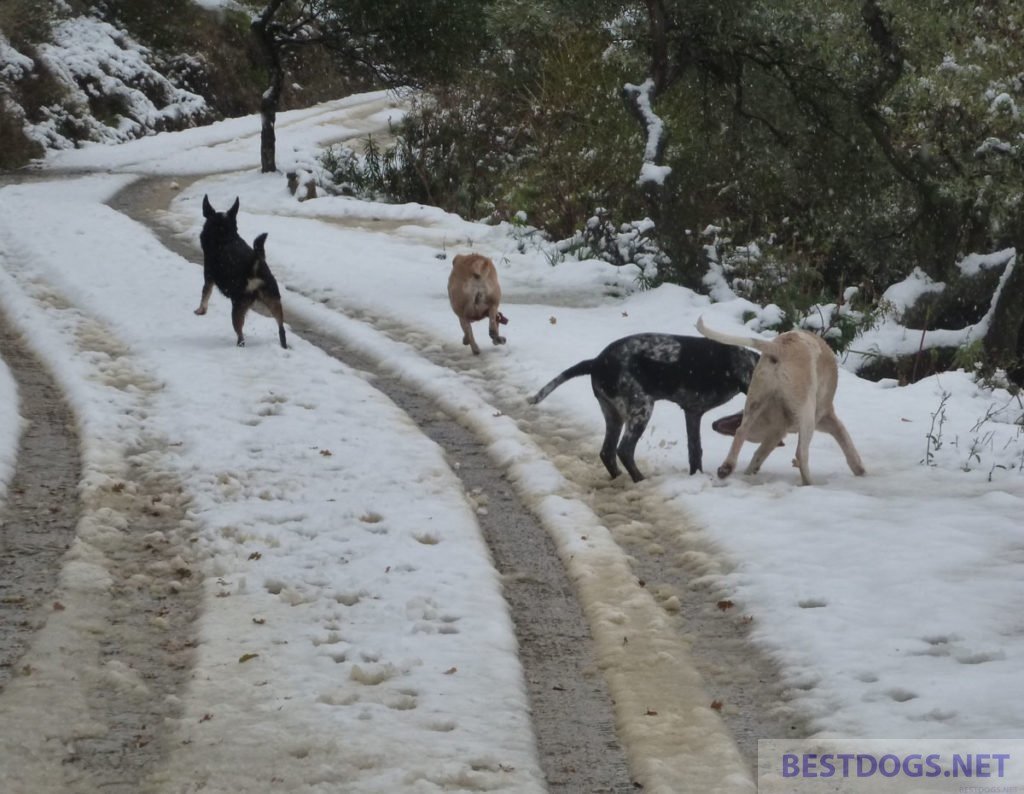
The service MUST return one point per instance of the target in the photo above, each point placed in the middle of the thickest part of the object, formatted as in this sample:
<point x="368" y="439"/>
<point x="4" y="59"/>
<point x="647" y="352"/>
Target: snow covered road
<point x="278" y="582"/>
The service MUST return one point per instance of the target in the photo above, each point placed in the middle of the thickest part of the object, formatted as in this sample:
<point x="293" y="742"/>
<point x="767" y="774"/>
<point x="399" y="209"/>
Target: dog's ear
<point x="208" y="211"/>
<point x="234" y="209"/>
<point x="258" y="245"/>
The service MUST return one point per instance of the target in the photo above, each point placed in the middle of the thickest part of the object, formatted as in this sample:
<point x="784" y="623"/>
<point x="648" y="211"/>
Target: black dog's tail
<point x="583" y="368"/>
<point x="259" y="247"/>
<point x="270" y="295"/>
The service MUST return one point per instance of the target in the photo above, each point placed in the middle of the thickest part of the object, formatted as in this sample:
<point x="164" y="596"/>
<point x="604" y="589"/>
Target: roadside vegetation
<point x="819" y="152"/>
<point x="805" y="153"/>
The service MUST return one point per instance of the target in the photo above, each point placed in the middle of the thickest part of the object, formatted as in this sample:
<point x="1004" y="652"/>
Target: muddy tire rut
<point x="668" y="553"/>
<point x="569" y="700"/>
<point x="100" y="593"/>
<point x="41" y="508"/>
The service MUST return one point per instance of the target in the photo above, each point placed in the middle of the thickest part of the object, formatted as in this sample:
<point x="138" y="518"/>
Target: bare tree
<point x="393" y="42"/>
<point x="299" y="25"/>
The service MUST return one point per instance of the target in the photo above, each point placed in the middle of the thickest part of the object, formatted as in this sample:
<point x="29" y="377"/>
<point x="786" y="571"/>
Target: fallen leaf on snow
<point x="245" y="657"/>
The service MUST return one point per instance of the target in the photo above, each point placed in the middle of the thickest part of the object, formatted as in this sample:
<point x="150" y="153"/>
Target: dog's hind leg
<point x="693" y="445"/>
<point x="239" y="308"/>
<point x="763" y="451"/>
<point x="636" y="423"/>
<point x="803" y="444"/>
<point x="830" y="424"/>
<point x="729" y="464"/>
<point x="467" y="336"/>
<point x="492" y="326"/>
<point x="612" y="431"/>
<point x="277" y="312"/>
<point x="204" y="300"/>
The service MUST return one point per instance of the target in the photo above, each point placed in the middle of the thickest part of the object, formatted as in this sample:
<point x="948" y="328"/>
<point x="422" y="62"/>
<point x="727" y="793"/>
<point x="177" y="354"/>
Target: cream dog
<point x="792" y="390"/>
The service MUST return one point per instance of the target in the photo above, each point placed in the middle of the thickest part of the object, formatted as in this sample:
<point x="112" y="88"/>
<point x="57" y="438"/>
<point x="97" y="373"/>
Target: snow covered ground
<point x="342" y="561"/>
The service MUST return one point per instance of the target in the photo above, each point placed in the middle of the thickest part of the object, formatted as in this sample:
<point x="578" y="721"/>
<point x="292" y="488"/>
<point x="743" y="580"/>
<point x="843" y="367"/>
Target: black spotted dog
<point x="632" y="373"/>
<point x="240" y="272"/>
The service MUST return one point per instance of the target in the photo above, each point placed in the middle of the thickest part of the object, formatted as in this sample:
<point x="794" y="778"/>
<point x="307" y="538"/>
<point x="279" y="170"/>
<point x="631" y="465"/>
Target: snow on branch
<point x="639" y="99"/>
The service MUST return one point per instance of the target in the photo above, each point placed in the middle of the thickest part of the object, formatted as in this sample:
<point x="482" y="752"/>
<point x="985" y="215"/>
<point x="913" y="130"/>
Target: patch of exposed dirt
<point x="91" y="664"/>
<point x="569" y="701"/>
<point x="668" y="553"/>
<point x="37" y="522"/>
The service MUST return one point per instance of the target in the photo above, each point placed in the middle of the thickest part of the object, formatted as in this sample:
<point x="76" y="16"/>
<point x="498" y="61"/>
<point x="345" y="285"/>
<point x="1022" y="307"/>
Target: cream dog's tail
<point x="736" y="341"/>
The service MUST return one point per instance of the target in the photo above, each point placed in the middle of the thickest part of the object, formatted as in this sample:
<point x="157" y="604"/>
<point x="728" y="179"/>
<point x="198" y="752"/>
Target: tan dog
<point x="474" y="293"/>
<point x="792" y="390"/>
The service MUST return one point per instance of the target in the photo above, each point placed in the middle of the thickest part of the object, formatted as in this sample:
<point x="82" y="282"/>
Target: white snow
<point x="385" y="657"/>
<point x="906" y="293"/>
<point x="10" y="424"/>
<point x="649" y="171"/>
<point x="891" y="338"/>
<point x="972" y="264"/>
<point x="91" y="58"/>
<point x="217" y="5"/>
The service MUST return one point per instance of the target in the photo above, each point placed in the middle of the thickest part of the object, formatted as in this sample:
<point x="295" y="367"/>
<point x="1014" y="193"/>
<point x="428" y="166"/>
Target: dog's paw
<point x="201" y="310"/>
<point x="498" y="340"/>
<point x="724" y="470"/>
<point x="240" y="343"/>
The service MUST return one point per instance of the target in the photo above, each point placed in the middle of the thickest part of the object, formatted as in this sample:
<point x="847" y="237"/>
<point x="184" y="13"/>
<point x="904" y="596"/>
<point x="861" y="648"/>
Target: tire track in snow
<point x="668" y="554"/>
<point x="37" y="523"/>
<point x="668" y="551"/>
<point x="569" y="699"/>
<point x="87" y="711"/>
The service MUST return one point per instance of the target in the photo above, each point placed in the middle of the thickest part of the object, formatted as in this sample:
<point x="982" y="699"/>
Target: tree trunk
<point x="941" y="218"/>
<point x="1002" y="343"/>
<point x="268" y="135"/>
<point x="639" y="101"/>
<point x="660" y="58"/>
<point x="270" y="48"/>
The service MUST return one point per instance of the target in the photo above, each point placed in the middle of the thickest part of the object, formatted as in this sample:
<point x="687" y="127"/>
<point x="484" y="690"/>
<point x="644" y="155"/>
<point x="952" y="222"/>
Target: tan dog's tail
<point x="763" y="345"/>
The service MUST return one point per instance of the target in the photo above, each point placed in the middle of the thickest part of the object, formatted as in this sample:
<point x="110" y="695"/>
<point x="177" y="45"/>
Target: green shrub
<point x="552" y="141"/>
<point x="26" y="22"/>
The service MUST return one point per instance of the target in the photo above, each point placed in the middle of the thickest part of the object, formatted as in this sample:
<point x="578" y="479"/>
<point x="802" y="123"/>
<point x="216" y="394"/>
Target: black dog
<point x="630" y="374"/>
<point x="240" y="272"/>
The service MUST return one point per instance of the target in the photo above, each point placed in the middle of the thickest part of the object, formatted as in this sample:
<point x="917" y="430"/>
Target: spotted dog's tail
<point x="583" y="368"/>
